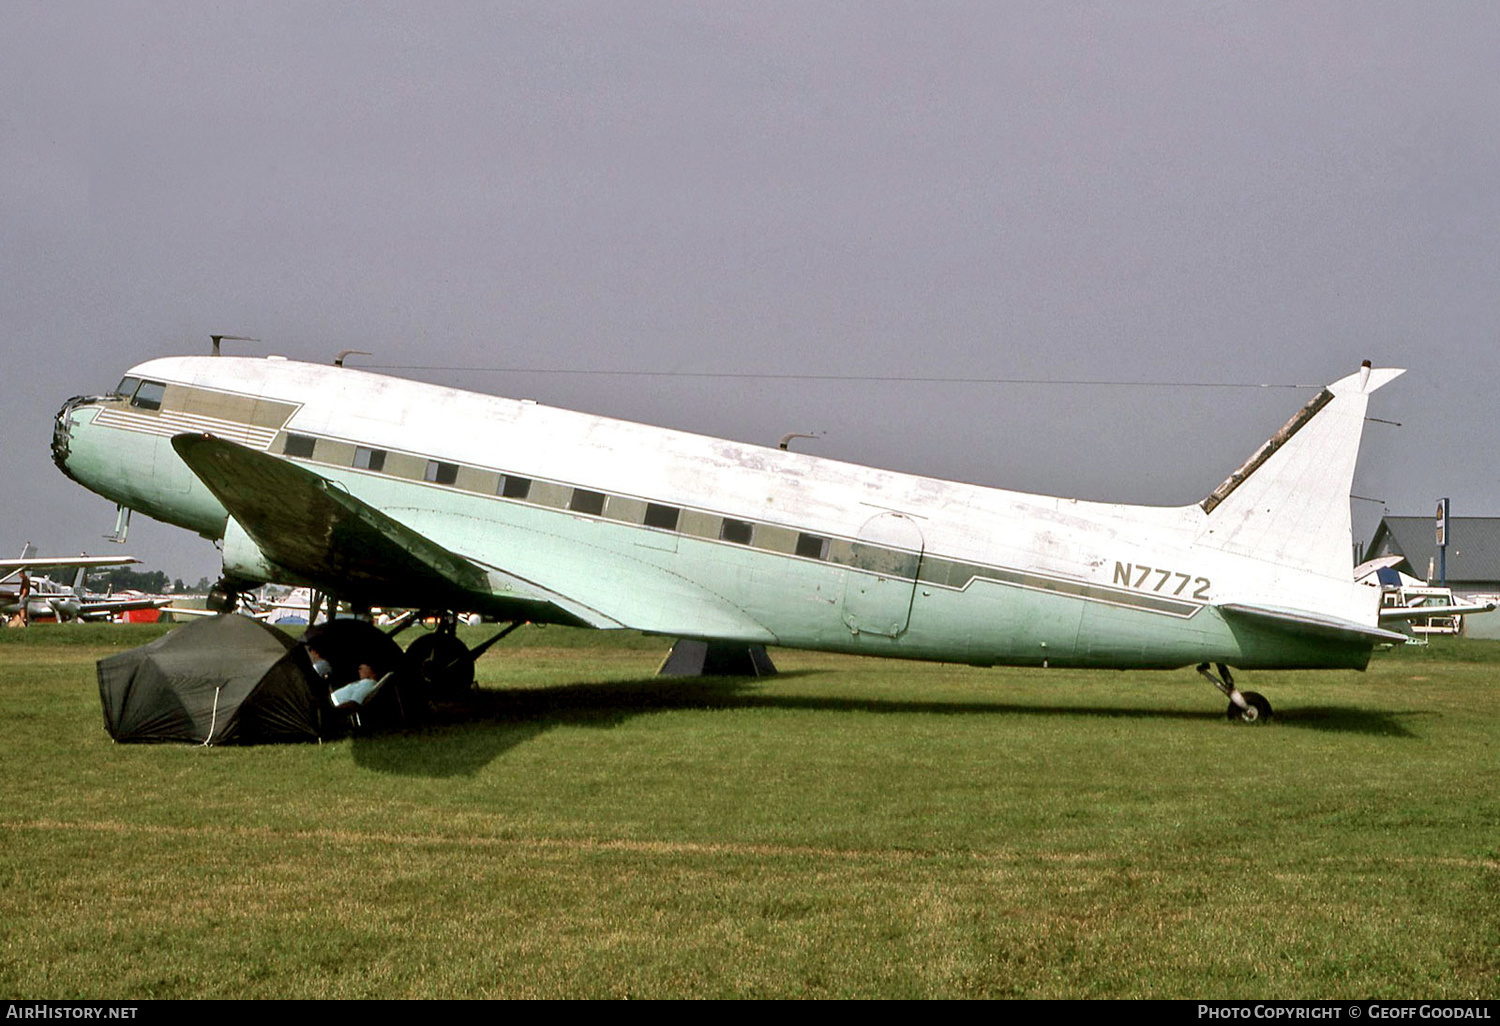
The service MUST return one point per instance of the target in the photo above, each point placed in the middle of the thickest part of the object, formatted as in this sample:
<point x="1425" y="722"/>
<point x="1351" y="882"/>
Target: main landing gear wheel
<point x="222" y="598"/>
<point x="443" y="663"/>
<point x="1257" y="709"/>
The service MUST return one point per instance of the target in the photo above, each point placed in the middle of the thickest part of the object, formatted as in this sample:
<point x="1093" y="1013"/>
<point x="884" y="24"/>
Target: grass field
<point x="851" y="827"/>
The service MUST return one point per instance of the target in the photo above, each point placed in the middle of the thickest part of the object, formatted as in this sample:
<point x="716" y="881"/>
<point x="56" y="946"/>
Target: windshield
<point x="1428" y="600"/>
<point x="149" y="395"/>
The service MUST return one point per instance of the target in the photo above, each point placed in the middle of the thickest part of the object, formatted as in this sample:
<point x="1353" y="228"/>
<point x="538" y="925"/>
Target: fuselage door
<point x="882" y="575"/>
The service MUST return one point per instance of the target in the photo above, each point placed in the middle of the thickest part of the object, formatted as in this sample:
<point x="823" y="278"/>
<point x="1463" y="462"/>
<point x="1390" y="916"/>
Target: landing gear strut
<point x="1244" y="706"/>
<point x="444" y="664"/>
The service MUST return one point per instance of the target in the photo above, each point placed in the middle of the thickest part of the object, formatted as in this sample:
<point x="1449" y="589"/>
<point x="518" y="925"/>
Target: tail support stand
<point x="690" y="658"/>
<point x="122" y="525"/>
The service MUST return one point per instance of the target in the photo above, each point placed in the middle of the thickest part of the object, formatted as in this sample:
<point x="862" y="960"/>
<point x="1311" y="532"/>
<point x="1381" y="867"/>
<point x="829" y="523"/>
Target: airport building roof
<point x="1473" y="548"/>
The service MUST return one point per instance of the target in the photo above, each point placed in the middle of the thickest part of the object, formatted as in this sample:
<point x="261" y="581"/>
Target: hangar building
<point x="1473" y="550"/>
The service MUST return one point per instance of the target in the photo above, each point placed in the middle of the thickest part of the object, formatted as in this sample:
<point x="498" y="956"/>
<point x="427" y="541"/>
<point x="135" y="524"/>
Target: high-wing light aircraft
<point x="397" y="493"/>
<point x="46" y="597"/>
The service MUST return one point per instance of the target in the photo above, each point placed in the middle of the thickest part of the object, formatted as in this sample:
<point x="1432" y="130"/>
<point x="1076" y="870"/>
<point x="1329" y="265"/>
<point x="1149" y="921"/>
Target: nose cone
<point x="62" y="432"/>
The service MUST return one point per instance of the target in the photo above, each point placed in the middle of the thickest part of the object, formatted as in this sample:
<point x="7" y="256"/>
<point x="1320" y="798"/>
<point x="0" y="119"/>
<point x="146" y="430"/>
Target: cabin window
<point x="586" y="502"/>
<point x="441" y="473"/>
<point x="366" y="458"/>
<point x="512" y="487"/>
<point x="812" y="546"/>
<point x="737" y="531"/>
<point x="299" y="445"/>
<point x="661" y="516"/>
<point x="148" y="396"/>
<point x="126" y="388"/>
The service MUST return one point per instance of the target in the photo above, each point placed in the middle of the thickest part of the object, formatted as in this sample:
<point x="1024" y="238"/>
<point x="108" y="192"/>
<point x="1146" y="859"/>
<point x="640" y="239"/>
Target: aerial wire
<point x="899" y="379"/>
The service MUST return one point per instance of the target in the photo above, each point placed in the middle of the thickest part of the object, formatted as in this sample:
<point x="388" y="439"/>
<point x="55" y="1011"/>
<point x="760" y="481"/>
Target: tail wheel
<point x="443" y="663"/>
<point x="1257" y="709"/>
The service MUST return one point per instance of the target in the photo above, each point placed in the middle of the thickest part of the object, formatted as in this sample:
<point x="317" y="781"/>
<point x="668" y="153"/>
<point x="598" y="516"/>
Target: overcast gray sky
<point x="1127" y="192"/>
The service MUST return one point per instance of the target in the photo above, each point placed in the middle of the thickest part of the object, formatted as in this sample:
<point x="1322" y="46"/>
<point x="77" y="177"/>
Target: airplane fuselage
<point x="687" y="535"/>
<point x="47" y="599"/>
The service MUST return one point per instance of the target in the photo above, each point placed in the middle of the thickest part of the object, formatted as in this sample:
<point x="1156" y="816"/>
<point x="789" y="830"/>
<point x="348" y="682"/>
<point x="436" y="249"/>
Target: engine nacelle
<point x="243" y="559"/>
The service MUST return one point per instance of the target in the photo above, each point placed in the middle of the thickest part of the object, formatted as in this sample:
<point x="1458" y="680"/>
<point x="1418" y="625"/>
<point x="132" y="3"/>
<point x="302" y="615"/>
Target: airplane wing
<point x="1424" y="612"/>
<point x="313" y="528"/>
<point x="190" y="611"/>
<point x="10" y="567"/>
<point x="48" y="562"/>
<point x="1369" y="566"/>
<point x="93" y="609"/>
<point x="1317" y="625"/>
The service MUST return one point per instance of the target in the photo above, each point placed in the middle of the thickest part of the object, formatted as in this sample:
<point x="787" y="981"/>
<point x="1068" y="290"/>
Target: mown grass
<point x="851" y="827"/>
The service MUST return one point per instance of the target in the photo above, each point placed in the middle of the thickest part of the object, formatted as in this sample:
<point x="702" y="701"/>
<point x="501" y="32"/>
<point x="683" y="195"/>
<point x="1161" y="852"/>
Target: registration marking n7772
<point x="1140" y="577"/>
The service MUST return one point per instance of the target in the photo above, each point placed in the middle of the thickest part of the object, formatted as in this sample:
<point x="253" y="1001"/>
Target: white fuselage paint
<point x="1247" y="551"/>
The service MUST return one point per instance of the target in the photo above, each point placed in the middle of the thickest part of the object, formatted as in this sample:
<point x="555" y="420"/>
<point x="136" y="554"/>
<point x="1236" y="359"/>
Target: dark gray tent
<point x="228" y="679"/>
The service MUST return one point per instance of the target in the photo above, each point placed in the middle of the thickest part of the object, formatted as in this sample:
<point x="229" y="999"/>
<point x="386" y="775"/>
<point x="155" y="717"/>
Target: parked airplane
<point x="397" y="493"/>
<point x="46" y="598"/>
<point x="1415" y="607"/>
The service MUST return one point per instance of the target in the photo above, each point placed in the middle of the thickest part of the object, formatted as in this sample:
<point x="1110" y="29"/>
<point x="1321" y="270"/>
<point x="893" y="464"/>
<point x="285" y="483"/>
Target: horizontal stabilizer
<point x="1315" y="625"/>
<point x="313" y="528"/>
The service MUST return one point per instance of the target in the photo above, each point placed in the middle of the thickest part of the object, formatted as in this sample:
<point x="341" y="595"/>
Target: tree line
<point x="153" y="582"/>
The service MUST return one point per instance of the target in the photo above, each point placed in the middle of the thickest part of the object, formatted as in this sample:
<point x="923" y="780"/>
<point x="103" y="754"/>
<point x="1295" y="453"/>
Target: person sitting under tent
<point x="352" y="696"/>
<point x="345" y="645"/>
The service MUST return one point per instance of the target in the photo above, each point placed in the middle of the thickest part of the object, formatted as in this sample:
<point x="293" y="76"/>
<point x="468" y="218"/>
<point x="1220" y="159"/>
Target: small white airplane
<point x="1405" y="600"/>
<point x="396" y="493"/>
<point x="48" y="598"/>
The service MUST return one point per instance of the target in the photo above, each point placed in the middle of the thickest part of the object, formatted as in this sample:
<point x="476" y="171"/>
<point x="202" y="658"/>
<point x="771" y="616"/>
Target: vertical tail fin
<point x="1289" y="503"/>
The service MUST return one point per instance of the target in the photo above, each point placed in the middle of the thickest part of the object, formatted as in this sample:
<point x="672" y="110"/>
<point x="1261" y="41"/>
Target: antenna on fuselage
<point x="338" y="361"/>
<point x="216" y="339"/>
<point x="786" y="439"/>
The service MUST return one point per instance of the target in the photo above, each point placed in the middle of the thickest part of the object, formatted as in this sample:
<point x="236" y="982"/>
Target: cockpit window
<point x="126" y="388"/>
<point x="148" y="396"/>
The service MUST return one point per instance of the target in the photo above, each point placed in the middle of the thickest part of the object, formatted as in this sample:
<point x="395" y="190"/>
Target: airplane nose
<point x="62" y="431"/>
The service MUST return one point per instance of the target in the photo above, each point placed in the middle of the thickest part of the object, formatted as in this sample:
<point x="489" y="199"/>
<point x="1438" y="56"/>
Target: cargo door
<point x="882" y="575"/>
